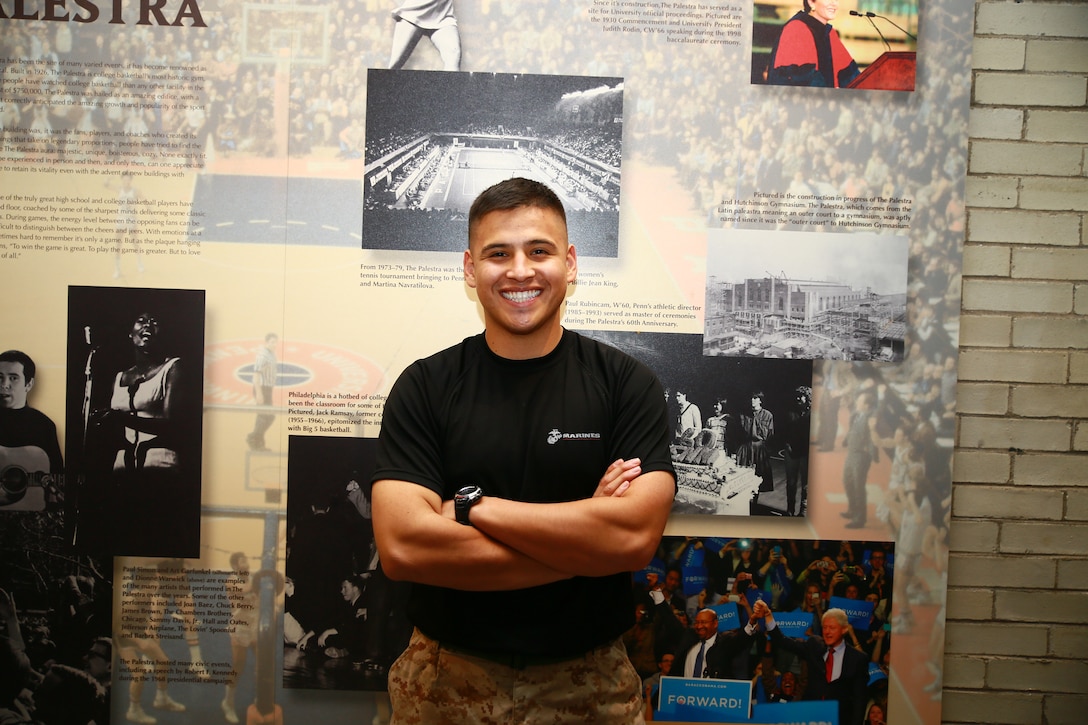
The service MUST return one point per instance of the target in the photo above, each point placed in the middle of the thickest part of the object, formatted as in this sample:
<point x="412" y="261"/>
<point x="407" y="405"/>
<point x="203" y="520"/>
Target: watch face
<point x="463" y="501"/>
<point x="469" y="493"/>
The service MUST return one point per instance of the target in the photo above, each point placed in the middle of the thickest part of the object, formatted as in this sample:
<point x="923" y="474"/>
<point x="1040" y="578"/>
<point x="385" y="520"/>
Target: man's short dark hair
<point x="105" y="642"/>
<point x="18" y="356"/>
<point x="513" y="194"/>
<point x="356" y="581"/>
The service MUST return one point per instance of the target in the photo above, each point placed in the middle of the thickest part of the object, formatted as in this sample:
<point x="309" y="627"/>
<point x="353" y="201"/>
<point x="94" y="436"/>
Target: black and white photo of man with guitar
<point x="30" y="459"/>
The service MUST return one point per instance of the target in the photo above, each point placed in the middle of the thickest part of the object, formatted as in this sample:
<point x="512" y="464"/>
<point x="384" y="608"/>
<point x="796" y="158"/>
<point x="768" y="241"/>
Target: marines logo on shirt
<point x="555" y="435"/>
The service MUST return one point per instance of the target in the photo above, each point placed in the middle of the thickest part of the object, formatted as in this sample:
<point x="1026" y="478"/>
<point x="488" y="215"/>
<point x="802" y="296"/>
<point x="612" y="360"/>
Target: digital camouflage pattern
<point x="429" y="685"/>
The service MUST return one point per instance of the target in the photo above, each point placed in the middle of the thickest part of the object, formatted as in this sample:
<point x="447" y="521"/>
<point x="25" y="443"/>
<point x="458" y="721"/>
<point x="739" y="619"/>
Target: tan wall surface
<point x="1018" y="572"/>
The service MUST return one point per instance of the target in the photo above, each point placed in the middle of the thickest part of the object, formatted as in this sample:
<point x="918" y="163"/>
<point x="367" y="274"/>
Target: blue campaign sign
<point x="656" y="566"/>
<point x="805" y="712"/>
<point x="692" y="700"/>
<point x="876" y="674"/>
<point x="795" y="623"/>
<point x="694" y="557"/>
<point x="695" y="579"/>
<point x="754" y="595"/>
<point x="728" y="619"/>
<point x="715" y="543"/>
<point x="858" y="611"/>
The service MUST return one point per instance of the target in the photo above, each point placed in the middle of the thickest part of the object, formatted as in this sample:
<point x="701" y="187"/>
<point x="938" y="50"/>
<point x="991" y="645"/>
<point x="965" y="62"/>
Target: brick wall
<point x="1016" y="647"/>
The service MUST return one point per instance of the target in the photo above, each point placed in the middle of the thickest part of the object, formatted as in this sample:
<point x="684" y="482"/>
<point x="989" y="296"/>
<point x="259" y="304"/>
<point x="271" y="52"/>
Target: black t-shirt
<point x="29" y="439"/>
<point x="541" y="430"/>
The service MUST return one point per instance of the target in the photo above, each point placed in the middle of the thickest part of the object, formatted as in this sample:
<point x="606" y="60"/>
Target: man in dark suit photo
<point x="711" y="653"/>
<point x="836" y="671"/>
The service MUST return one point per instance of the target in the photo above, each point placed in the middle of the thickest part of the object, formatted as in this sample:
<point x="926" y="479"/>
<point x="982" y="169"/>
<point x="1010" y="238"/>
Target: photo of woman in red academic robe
<point x="809" y="51"/>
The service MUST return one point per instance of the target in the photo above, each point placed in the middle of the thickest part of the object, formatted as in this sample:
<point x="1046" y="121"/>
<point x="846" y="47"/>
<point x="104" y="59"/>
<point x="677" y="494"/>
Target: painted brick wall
<point x="1016" y="646"/>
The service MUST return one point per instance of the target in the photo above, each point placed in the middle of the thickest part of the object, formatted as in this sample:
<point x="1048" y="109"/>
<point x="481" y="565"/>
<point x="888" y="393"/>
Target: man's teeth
<point x="521" y="296"/>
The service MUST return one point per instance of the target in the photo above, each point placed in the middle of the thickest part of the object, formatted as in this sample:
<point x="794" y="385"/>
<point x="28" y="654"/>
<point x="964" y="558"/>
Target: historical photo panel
<point x="435" y="140"/>
<point x="791" y="294"/>
<point x="801" y="595"/>
<point x="135" y="387"/>
<point x="344" y="620"/>
<point x="740" y="426"/>
<point x="821" y="44"/>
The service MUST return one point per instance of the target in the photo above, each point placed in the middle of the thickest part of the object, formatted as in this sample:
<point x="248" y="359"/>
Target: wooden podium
<point x="892" y="71"/>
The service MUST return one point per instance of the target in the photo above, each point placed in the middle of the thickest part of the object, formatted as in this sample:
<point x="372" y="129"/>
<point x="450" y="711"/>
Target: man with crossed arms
<point x="521" y="475"/>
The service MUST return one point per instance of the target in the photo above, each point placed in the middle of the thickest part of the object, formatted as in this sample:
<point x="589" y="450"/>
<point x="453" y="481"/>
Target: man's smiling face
<point x="519" y="263"/>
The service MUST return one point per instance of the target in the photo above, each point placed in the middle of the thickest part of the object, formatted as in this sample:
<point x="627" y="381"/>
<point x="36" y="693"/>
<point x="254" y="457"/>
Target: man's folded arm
<point x="417" y="543"/>
<point x="589" y="537"/>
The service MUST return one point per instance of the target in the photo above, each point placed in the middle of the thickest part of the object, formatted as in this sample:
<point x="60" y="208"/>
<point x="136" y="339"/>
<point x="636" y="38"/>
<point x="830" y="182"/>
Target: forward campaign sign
<point x="704" y="700"/>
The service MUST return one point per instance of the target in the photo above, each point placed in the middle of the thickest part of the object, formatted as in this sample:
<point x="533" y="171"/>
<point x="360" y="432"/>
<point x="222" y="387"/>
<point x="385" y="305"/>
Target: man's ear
<point x="470" y="270"/>
<point x="572" y="264"/>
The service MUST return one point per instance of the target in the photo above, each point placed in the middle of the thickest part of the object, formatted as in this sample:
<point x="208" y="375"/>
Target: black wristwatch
<point x="463" y="500"/>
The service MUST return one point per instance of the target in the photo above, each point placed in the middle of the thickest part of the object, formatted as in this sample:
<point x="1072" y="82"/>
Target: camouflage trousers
<point x="432" y="685"/>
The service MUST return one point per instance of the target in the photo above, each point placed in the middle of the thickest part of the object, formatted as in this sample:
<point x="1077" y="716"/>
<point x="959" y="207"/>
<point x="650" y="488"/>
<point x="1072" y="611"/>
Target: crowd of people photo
<point x="56" y="650"/>
<point x="707" y="608"/>
<point x="55" y="607"/>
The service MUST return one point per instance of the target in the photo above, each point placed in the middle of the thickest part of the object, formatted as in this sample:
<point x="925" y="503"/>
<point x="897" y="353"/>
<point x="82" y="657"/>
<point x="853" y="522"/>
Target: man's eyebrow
<point x="492" y="246"/>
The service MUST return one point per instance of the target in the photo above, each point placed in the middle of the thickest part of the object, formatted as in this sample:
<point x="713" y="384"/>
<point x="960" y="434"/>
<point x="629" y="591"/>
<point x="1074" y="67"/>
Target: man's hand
<point x="617" y="478"/>
<point x="760" y="610"/>
<point x="615" y="482"/>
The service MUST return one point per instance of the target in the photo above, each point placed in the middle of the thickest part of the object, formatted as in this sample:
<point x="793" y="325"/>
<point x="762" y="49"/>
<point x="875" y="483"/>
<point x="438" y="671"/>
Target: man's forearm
<point x="514" y="545"/>
<point x="590" y="537"/>
<point x="417" y="543"/>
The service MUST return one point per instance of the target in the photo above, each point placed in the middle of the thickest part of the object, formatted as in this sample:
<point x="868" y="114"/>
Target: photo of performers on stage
<point x="741" y="426"/>
<point x="344" y="620"/>
<point x="135" y="391"/>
